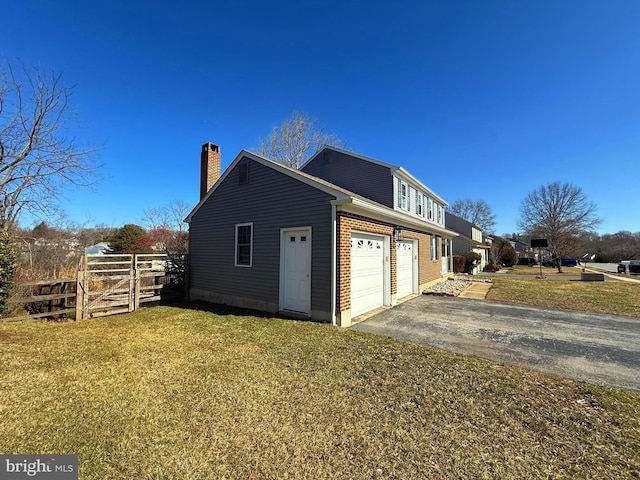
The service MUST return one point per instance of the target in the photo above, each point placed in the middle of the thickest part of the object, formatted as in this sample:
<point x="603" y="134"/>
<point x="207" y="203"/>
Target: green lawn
<point x="614" y="297"/>
<point x="171" y="393"/>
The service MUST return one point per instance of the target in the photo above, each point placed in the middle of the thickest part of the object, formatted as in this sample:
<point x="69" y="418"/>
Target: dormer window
<point x="403" y="195"/>
<point x="420" y="204"/>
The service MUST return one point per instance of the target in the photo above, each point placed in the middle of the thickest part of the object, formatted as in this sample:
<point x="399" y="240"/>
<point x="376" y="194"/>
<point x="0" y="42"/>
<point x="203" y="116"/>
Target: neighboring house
<point x="470" y="239"/>
<point x="522" y="249"/>
<point x="344" y="235"/>
<point x="97" y="249"/>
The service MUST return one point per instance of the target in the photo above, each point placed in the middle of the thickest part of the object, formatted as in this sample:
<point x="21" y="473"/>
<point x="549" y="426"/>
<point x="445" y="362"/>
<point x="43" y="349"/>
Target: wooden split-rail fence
<point x="107" y="284"/>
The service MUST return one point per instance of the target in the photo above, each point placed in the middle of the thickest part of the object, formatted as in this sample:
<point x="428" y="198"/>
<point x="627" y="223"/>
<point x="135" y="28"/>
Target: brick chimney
<point x="209" y="167"/>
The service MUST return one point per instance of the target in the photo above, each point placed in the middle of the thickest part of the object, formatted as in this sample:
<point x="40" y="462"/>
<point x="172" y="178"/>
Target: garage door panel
<point x="367" y="273"/>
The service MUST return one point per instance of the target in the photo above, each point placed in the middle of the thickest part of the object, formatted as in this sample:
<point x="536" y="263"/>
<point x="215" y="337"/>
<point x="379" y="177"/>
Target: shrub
<point x="125" y="237"/>
<point x="141" y="245"/>
<point x="491" y="267"/>
<point x="8" y="265"/>
<point x="470" y="260"/>
<point x="458" y="263"/>
<point x="504" y="252"/>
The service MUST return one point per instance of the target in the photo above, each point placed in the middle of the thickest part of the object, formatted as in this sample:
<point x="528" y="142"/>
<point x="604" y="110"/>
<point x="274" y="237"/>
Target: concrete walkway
<point x="477" y="290"/>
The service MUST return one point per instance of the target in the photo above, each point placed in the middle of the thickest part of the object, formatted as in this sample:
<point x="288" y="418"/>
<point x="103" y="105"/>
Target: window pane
<point x="243" y="246"/>
<point x="244" y="254"/>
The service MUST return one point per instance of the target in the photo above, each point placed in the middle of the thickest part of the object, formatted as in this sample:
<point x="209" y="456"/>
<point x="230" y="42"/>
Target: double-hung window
<point x="403" y="195"/>
<point x="429" y="209"/>
<point x="435" y="247"/>
<point x="244" y="244"/>
<point x="420" y="204"/>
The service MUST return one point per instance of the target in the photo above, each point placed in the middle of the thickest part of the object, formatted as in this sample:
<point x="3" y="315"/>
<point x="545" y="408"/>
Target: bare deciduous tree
<point x="170" y="216"/>
<point x="559" y="212"/>
<point x="167" y="227"/>
<point x="296" y="140"/>
<point x="37" y="154"/>
<point x="477" y="212"/>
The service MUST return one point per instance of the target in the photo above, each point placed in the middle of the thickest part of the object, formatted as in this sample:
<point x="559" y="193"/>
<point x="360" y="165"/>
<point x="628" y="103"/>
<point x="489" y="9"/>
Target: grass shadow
<point x="228" y="310"/>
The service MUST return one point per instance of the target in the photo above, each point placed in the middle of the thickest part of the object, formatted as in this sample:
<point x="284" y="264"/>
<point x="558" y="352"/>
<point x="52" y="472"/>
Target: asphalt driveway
<point x="602" y="349"/>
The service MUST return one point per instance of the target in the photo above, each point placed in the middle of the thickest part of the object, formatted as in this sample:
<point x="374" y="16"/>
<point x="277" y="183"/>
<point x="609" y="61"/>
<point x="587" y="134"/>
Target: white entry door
<point x="404" y="262"/>
<point x="295" y="269"/>
<point x="367" y="273"/>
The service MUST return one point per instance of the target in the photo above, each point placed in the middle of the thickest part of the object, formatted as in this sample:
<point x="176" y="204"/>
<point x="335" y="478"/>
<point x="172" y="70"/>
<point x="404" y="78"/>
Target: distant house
<point x="344" y="235"/>
<point x="470" y="239"/>
<point x="97" y="249"/>
<point x="522" y="249"/>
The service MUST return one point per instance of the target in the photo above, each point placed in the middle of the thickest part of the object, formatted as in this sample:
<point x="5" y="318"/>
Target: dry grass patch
<point x="609" y="297"/>
<point x="174" y="393"/>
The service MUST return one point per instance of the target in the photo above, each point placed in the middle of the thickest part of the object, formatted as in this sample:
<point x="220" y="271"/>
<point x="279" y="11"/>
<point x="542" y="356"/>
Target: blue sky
<point x="478" y="99"/>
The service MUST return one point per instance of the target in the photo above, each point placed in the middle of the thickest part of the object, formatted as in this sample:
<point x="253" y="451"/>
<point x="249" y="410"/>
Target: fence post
<point x="136" y="287"/>
<point x="80" y="290"/>
<point x="132" y="272"/>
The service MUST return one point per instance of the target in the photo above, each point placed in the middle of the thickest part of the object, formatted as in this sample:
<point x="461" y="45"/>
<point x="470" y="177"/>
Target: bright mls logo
<point x="43" y="467"/>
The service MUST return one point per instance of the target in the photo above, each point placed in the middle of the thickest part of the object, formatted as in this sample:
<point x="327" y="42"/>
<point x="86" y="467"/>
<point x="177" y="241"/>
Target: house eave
<point x="382" y="213"/>
<point x="404" y="175"/>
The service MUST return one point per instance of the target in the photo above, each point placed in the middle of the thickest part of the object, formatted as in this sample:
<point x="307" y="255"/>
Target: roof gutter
<point x="385" y="214"/>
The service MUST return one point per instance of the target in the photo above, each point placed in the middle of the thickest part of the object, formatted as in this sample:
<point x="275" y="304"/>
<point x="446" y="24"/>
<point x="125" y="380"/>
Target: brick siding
<point x="428" y="270"/>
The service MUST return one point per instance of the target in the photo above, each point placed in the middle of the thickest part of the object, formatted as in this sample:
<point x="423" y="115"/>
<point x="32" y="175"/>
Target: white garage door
<point x="367" y="273"/>
<point x="404" y="259"/>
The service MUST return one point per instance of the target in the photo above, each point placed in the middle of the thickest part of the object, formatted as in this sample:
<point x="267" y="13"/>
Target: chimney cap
<point x="210" y="146"/>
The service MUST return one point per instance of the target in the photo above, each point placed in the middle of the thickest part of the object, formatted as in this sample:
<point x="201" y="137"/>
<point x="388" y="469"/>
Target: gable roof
<point x="342" y="196"/>
<point x="318" y="183"/>
<point x="394" y="169"/>
<point x="459" y="219"/>
<point x="473" y="242"/>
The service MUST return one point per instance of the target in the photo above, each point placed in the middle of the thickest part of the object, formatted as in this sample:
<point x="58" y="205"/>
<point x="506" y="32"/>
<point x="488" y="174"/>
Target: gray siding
<point x="365" y="178"/>
<point x="461" y="245"/>
<point x="271" y="200"/>
<point x="457" y="224"/>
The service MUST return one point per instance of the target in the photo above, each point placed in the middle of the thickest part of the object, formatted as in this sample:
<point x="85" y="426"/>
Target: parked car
<point x="570" y="262"/>
<point x="527" y="261"/>
<point x="629" y="266"/>
<point x="566" y="262"/>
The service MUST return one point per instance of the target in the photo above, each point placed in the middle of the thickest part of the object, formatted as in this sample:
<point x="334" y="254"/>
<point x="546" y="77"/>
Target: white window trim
<point x="419" y="204"/>
<point x="404" y="196"/>
<point x="235" y="258"/>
